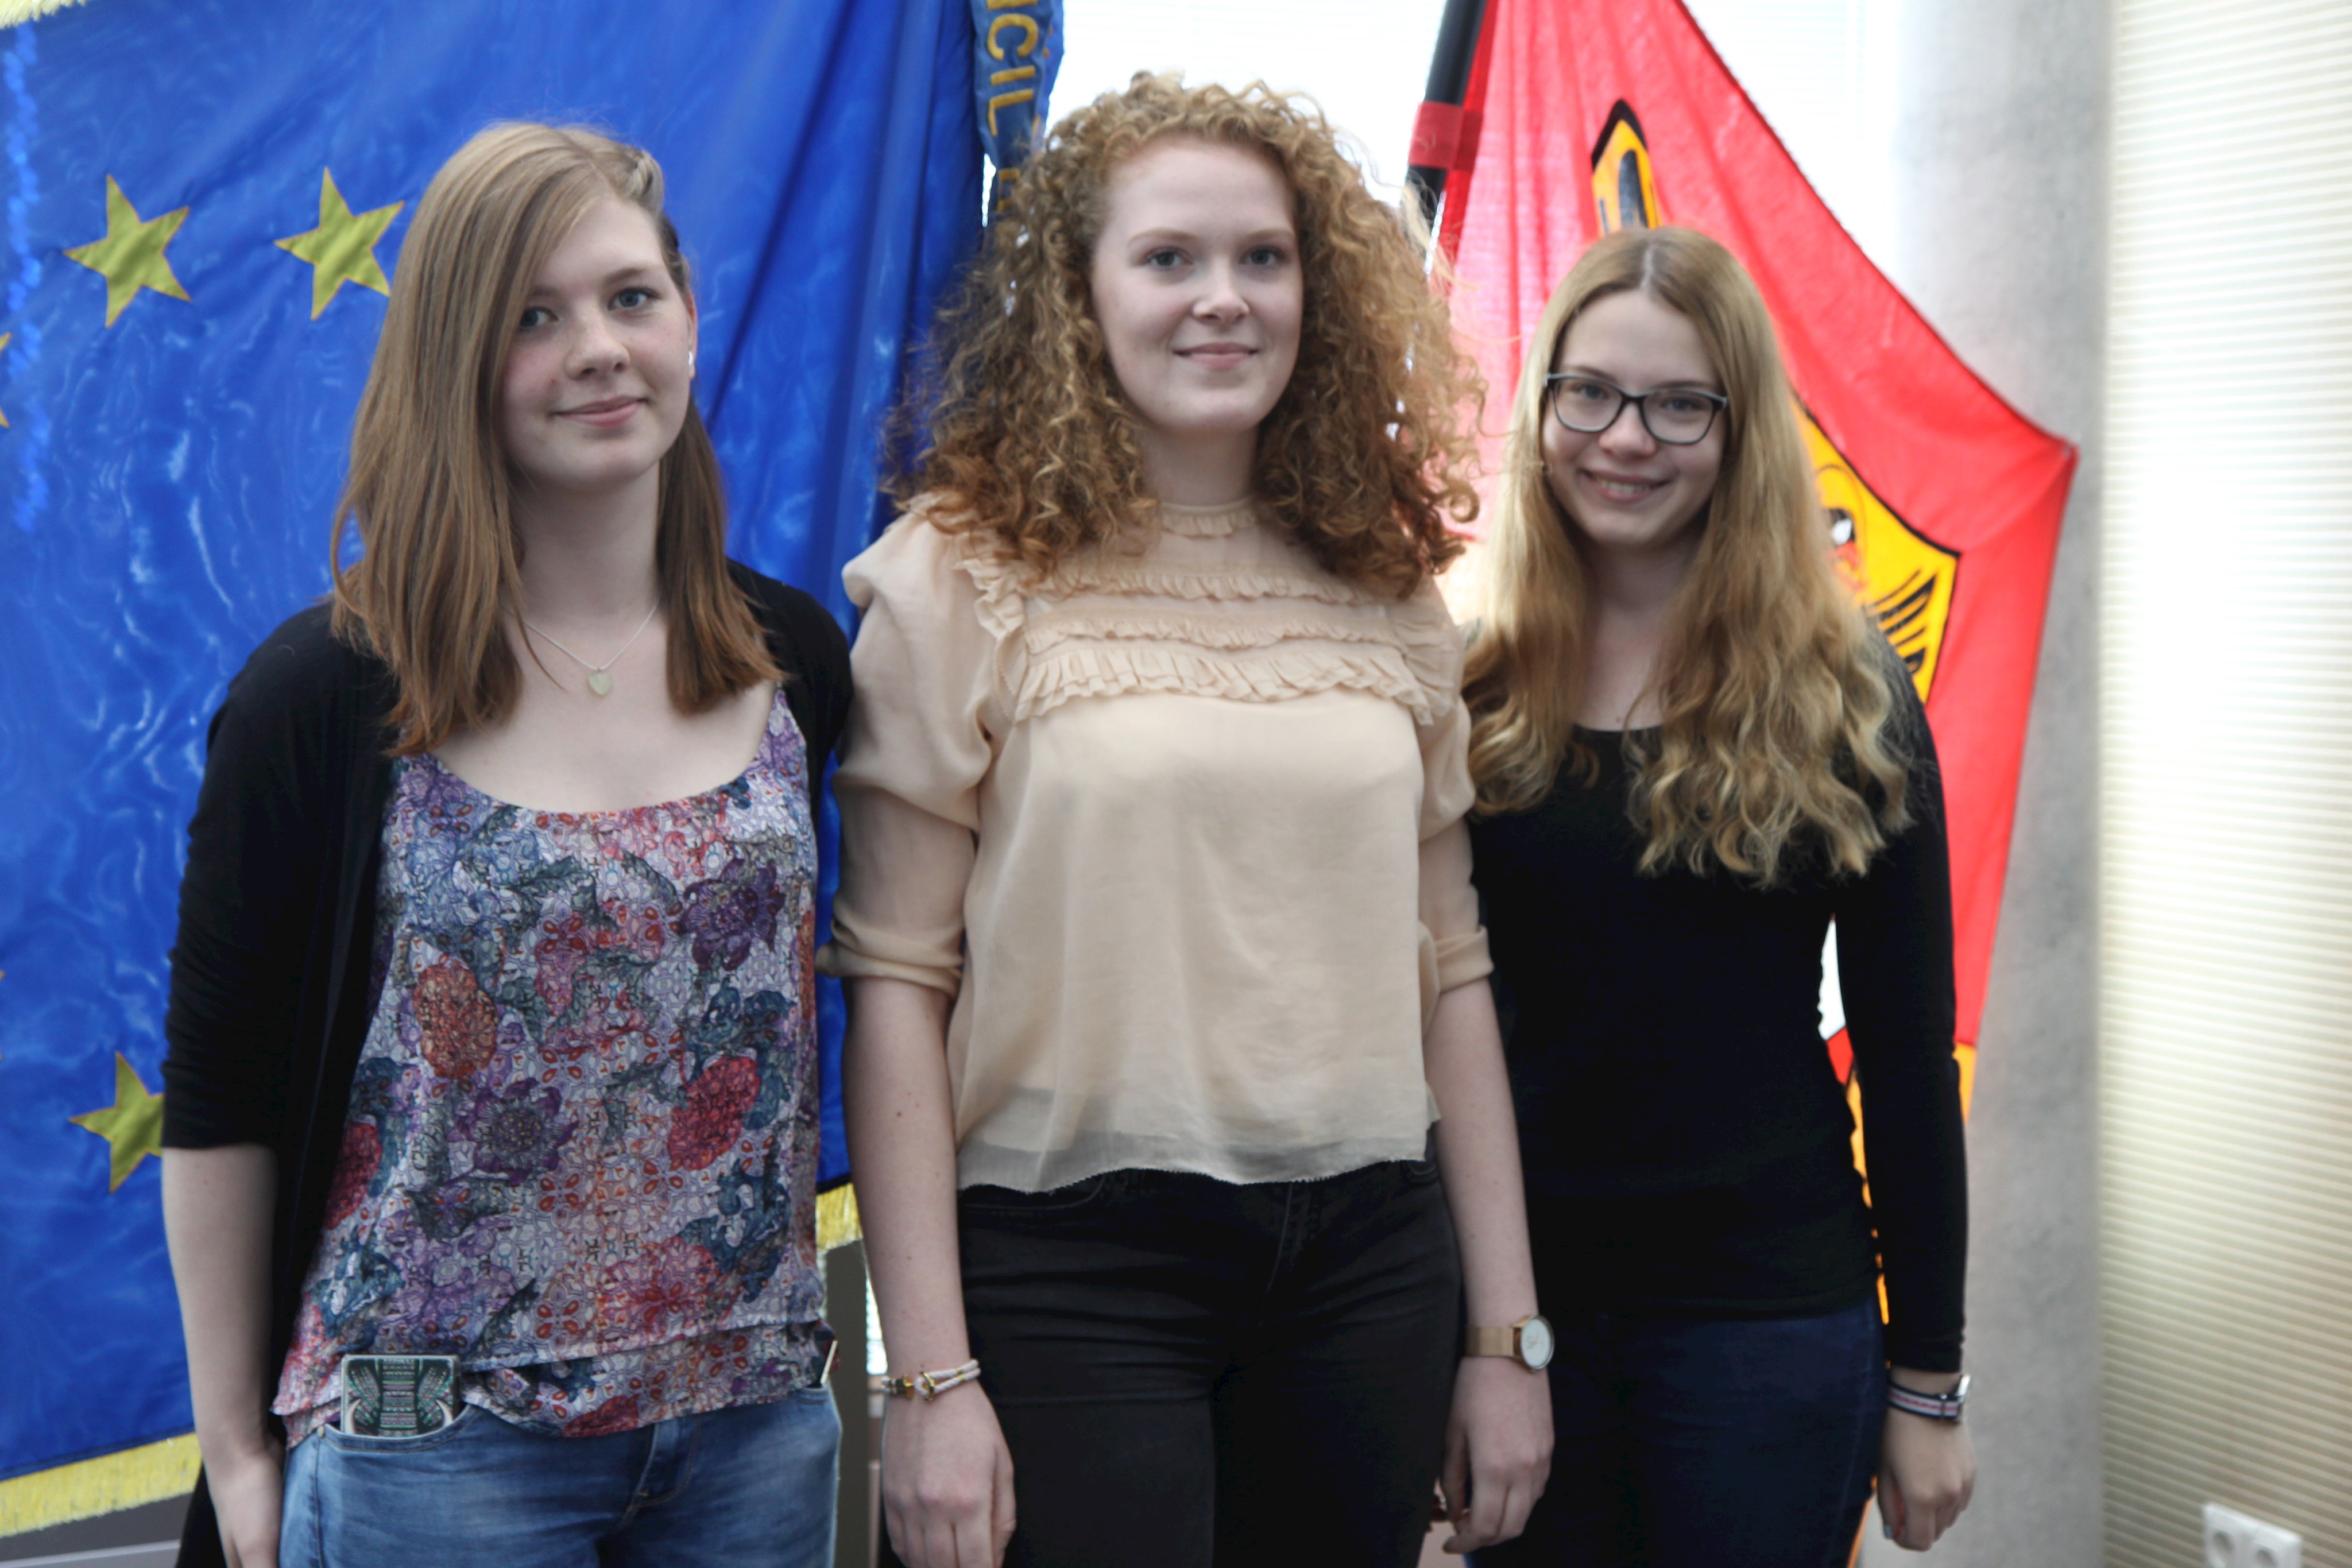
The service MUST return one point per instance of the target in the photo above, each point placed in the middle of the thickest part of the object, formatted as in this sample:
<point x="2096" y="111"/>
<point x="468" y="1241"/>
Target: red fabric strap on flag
<point x="1445" y="136"/>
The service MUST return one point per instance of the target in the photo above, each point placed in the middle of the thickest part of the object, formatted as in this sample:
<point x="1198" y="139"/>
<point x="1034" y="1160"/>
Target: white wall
<point x="1823" y="72"/>
<point x="1365" y="61"/>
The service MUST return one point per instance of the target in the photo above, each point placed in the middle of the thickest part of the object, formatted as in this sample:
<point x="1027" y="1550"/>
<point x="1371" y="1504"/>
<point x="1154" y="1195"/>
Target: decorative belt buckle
<point x="398" y="1395"/>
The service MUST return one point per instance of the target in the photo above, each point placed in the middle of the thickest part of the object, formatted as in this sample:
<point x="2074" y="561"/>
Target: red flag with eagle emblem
<point x="1944" y="502"/>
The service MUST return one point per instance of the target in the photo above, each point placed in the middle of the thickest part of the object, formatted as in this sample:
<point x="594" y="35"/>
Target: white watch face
<point x="1535" y="1343"/>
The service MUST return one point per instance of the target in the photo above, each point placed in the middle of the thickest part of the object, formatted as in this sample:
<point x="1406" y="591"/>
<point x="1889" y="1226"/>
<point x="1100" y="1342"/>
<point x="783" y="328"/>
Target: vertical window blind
<point x="2227" y="778"/>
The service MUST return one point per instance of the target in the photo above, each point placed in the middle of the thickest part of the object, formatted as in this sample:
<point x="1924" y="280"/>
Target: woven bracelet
<point x="928" y="1385"/>
<point x="1933" y="1407"/>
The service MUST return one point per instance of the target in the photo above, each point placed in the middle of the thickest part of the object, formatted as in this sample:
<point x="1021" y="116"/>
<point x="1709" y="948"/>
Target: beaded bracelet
<point x="929" y="1385"/>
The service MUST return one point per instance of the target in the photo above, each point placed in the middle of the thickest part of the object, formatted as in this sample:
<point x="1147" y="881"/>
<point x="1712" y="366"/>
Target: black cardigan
<point x="269" y="974"/>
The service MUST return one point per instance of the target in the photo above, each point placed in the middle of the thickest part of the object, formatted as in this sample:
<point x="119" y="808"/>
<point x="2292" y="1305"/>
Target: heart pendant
<point x="599" y="682"/>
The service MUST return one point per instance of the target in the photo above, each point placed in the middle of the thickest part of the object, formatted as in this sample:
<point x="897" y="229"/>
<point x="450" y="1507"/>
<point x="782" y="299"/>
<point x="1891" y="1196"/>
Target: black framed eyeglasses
<point x="1679" y="417"/>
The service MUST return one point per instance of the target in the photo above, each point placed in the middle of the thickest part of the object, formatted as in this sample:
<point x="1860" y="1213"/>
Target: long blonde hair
<point x="1362" y="459"/>
<point x="1776" y="736"/>
<point x="429" y="488"/>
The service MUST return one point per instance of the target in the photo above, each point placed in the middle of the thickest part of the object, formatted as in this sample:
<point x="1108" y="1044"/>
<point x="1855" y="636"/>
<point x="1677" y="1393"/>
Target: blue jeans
<point x="751" y="1486"/>
<point x="1695" y="1442"/>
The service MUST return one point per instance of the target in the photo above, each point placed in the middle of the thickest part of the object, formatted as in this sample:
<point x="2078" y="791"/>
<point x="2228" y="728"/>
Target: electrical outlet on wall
<point x="2233" y="1539"/>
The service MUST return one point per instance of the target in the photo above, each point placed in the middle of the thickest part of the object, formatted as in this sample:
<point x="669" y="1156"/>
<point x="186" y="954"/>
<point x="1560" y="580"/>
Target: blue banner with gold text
<point x="1016" y="52"/>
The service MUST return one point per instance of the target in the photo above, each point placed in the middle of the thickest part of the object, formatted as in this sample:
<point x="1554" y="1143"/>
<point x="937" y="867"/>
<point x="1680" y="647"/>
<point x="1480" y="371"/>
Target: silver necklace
<point x="599" y="682"/>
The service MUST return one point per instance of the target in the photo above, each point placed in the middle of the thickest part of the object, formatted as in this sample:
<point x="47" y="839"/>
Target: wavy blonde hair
<point x="1779" y="733"/>
<point x="1031" y="442"/>
<point x="429" y="487"/>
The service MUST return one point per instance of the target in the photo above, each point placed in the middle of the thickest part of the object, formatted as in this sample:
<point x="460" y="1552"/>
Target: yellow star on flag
<point x="132" y="1126"/>
<point x="342" y="249"/>
<point x="130" y="257"/>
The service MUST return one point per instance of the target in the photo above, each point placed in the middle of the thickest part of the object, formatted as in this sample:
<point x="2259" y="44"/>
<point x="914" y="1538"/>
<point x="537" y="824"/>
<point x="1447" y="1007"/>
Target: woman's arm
<point x="1498" y="1439"/>
<point x="277" y="786"/>
<point x="1498" y="1442"/>
<point x="947" y="1476"/>
<point x="1894" y="974"/>
<point x="218" y="1204"/>
<point x="909" y="789"/>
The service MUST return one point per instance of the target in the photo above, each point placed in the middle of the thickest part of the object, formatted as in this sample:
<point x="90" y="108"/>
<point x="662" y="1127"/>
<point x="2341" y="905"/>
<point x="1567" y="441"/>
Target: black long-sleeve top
<point x="1687" y="1141"/>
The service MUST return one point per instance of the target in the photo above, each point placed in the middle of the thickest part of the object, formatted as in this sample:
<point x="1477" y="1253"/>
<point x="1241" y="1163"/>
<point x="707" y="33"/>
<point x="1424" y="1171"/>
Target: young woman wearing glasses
<point x="1694" y="753"/>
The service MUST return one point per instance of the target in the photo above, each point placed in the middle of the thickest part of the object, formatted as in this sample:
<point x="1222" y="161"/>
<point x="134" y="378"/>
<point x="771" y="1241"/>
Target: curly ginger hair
<point x="1362" y="459"/>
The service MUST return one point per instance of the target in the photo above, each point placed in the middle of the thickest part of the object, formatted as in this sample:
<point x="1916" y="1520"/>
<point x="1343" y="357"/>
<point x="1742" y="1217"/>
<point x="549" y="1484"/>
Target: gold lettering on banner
<point x="1006" y="100"/>
<point x="1027" y="46"/>
<point x="1008" y="5"/>
<point x="1016" y="73"/>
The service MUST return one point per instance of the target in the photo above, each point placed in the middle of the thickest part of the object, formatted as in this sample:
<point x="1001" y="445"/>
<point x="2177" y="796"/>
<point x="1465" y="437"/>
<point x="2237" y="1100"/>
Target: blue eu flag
<point x="203" y="205"/>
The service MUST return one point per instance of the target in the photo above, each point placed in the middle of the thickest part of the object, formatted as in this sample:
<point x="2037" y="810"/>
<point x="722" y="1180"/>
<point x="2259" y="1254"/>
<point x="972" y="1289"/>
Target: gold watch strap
<point x="1491" y="1341"/>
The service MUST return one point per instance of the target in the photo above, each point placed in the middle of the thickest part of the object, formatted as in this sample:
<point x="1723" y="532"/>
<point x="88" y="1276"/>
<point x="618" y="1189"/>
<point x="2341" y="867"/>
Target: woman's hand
<point x="1926" y="1468"/>
<point x="947" y="1481"/>
<point x="216" y="1207"/>
<point x="1497" y="1450"/>
<point x="248" y="1485"/>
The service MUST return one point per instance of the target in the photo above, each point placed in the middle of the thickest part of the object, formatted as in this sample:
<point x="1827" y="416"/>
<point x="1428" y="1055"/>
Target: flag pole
<point x="1437" y="129"/>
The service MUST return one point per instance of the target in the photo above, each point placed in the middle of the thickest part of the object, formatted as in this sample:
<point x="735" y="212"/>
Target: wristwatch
<point x="1526" y="1341"/>
<point x="1934" y="1407"/>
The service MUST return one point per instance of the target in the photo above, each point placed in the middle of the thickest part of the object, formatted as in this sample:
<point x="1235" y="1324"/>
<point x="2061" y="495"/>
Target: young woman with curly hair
<point x="1155" y="901"/>
<point x="1694" y="752"/>
<point x="492" y="1123"/>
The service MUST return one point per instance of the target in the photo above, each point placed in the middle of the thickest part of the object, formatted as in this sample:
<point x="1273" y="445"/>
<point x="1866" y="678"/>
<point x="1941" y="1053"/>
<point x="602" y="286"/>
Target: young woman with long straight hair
<point x="1155" y="894"/>
<point x="491" y="1126"/>
<point x="1694" y="752"/>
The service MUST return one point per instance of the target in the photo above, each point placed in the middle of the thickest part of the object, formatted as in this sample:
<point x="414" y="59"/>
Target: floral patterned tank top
<point x="582" y="1144"/>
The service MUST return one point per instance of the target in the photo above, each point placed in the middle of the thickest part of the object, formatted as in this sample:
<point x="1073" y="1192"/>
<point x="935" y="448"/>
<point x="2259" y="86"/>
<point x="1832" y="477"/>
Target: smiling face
<point x="595" y="388"/>
<point x="1622" y="488"/>
<point x="1197" y="288"/>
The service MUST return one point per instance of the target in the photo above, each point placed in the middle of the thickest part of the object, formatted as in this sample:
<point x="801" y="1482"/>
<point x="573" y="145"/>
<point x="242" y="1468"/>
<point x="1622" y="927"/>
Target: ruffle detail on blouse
<point x="998" y="582"/>
<point x="1093" y="633"/>
<point x="1432" y="644"/>
<point x="1129" y="622"/>
<point x="1101" y="572"/>
<point x="1207" y="522"/>
<point x="1003" y="609"/>
<point x="1076" y="670"/>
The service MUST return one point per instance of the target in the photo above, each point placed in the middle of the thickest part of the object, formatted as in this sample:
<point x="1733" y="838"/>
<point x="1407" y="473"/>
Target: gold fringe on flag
<point x="149" y="1473"/>
<point x="836" y="1218"/>
<point x="15" y="11"/>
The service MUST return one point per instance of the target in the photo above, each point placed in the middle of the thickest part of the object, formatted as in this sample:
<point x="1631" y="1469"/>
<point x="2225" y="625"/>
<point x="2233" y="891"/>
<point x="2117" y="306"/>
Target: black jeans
<point x="1193" y="1372"/>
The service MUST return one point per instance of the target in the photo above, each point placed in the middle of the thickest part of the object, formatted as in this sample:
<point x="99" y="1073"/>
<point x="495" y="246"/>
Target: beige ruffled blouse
<point x="1179" y="829"/>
